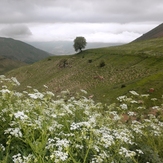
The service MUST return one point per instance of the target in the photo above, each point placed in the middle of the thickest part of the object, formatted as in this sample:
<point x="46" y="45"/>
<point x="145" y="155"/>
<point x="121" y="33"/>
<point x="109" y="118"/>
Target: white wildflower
<point x="126" y="153"/>
<point x="5" y="91"/>
<point x="50" y="93"/>
<point x="28" y="158"/>
<point x="121" y="98"/>
<point x="140" y="107"/>
<point x="2" y="77"/>
<point x="85" y="92"/>
<point x="33" y="96"/>
<point x="113" y="113"/>
<point x="65" y="92"/>
<point x="25" y="92"/>
<point x="15" y="81"/>
<point x="154" y="99"/>
<point x="62" y="142"/>
<point x="116" y="117"/>
<point x="14" y="131"/>
<point x="97" y="149"/>
<point x="133" y="102"/>
<point x="144" y="95"/>
<point x="53" y="115"/>
<point x="4" y="86"/>
<point x="107" y="140"/>
<point x="18" y="94"/>
<point x="36" y="95"/>
<point x="79" y="146"/>
<point x="21" y="115"/>
<point x="123" y="106"/>
<point x="74" y="126"/>
<point x="62" y="156"/>
<point x="17" y="158"/>
<point x="45" y="86"/>
<point x="155" y="107"/>
<point x="35" y="90"/>
<point x="139" y="151"/>
<point x="134" y="93"/>
<point x="130" y="113"/>
<point x="2" y="148"/>
<point x="160" y="124"/>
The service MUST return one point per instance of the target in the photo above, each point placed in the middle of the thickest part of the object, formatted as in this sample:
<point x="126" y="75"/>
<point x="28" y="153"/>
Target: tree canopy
<point x="79" y="43"/>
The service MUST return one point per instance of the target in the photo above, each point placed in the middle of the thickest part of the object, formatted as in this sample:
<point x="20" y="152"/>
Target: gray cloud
<point x="17" y="11"/>
<point x="15" y="31"/>
<point x="48" y="19"/>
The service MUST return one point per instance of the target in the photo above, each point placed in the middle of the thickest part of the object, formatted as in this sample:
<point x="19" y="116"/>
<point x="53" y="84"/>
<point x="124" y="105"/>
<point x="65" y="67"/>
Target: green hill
<point x="18" y="50"/>
<point x="105" y="73"/>
<point x="8" y="64"/>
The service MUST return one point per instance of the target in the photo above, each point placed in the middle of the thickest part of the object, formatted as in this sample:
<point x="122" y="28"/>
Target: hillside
<point x="157" y="32"/>
<point x="18" y="50"/>
<point x="8" y="64"/>
<point x="105" y="73"/>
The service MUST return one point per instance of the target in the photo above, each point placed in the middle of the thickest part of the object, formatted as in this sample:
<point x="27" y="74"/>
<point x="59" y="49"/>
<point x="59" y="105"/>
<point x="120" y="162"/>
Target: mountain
<point x="157" y="32"/>
<point x="66" y="47"/>
<point x="20" y="51"/>
<point x="105" y="73"/>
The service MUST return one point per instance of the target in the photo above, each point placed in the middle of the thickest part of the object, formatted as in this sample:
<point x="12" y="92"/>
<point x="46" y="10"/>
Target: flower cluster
<point x="39" y="127"/>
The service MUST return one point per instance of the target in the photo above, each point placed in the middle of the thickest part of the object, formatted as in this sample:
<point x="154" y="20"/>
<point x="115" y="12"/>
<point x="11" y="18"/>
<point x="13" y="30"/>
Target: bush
<point x="102" y="64"/>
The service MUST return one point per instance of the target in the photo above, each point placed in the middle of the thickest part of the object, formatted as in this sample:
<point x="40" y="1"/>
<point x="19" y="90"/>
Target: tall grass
<point x="44" y="128"/>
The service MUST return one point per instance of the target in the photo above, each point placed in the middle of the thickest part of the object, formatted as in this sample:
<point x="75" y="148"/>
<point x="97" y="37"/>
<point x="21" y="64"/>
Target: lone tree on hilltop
<point x="79" y="43"/>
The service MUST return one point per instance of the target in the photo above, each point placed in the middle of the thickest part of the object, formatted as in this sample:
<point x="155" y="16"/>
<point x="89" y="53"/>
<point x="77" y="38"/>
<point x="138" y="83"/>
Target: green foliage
<point x="41" y="127"/>
<point x="79" y="43"/>
<point x="102" y="64"/>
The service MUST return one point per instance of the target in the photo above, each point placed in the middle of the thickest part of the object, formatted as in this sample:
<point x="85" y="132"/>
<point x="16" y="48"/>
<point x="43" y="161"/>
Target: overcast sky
<point x="96" y="20"/>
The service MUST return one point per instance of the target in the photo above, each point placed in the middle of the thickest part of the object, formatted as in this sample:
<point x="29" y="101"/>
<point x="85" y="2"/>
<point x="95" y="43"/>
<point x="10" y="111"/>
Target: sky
<point x="114" y="21"/>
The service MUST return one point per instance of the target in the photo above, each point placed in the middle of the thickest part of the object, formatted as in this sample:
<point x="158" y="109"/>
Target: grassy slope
<point x="8" y="64"/>
<point x="137" y="66"/>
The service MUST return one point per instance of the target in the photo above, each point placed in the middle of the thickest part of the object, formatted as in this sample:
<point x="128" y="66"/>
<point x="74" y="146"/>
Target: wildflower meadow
<point x="41" y="127"/>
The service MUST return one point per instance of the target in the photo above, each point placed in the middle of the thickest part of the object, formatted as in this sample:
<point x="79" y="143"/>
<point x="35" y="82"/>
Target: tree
<point x="79" y="43"/>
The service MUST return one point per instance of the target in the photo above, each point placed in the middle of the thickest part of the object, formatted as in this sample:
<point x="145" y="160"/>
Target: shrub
<point x="102" y="64"/>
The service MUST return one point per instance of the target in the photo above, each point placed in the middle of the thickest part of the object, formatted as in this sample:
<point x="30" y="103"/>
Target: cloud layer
<point x="63" y="19"/>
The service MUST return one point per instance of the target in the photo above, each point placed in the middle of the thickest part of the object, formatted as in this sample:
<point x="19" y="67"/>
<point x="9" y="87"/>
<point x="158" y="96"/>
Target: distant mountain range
<point x="156" y="32"/>
<point x="66" y="47"/>
<point x="20" y="51"/>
